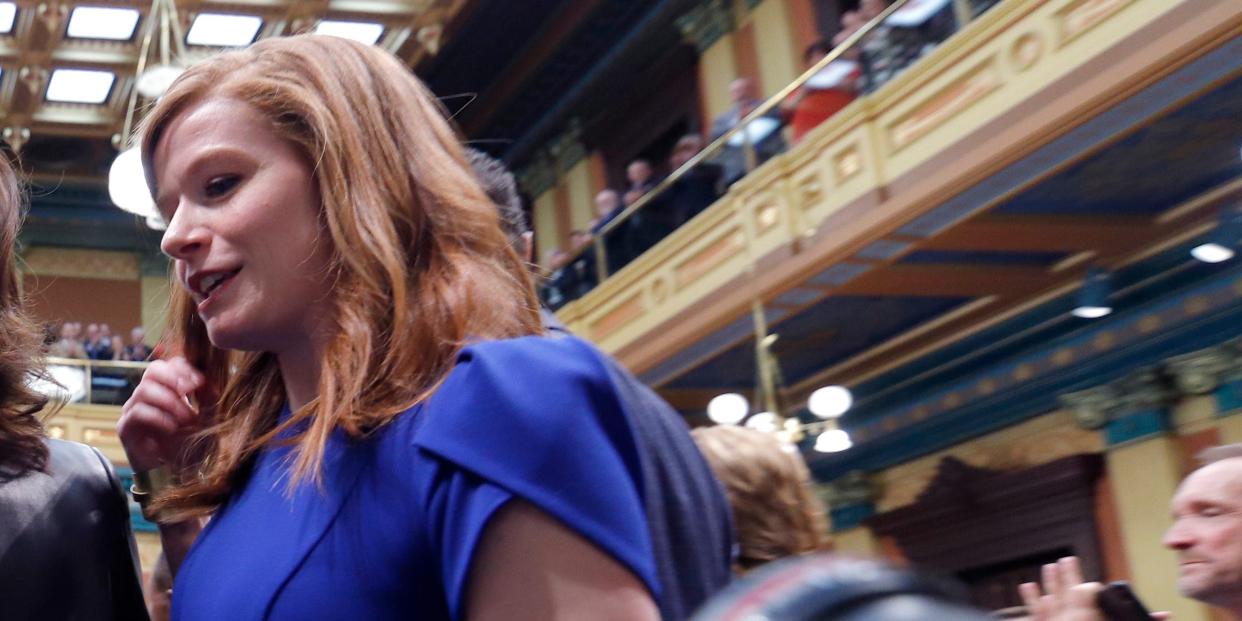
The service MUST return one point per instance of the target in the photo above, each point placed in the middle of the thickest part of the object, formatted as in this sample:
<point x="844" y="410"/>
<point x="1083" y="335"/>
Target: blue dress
<point x="392" y="531"/>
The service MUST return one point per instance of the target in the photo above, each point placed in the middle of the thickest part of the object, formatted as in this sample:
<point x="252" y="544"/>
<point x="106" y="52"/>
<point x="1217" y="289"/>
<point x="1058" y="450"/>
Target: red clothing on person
<point x="815" y="108"/>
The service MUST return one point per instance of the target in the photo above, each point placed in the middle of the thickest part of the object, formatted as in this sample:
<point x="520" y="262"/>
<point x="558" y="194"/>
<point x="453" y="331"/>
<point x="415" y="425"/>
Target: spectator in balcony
<point x="607" y="206"/>
<point x="98" y="345"/>
<point x="137" y="350"/>
<point x="698" y="188"/>
<point x="764" y="135"/>
<point x="775" y="512"/>
<point x="583" y="275"/>
<point x="555" y="292"/>
<point x="66" y="548"/>
<point x="69" y="346"/>
<point x="619" y="240"/>
<point x="851" y="21"/>
<point x="824" y="94"/>
<point x="907" y="35"/>
<point x="642" y="179"/>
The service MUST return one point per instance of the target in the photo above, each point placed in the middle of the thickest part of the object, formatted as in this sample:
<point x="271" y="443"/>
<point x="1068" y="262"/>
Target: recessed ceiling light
<point x="366" y="33"/>
<point x="93" y="22"/>
<point x="222" y="30"/>
<point x="80" y="86"/>
<point x="8" y="13"/>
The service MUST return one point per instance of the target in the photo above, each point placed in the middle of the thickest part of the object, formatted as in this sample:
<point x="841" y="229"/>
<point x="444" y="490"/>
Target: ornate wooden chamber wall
<point x="993" y="529"/>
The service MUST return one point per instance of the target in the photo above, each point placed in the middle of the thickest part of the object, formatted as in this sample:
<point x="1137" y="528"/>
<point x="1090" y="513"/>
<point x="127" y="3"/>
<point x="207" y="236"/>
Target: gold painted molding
<point x="81" y="263"/>
<point x="947" y="103"/>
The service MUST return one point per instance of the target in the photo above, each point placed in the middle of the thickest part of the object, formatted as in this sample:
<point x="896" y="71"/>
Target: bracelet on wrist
<point x="148" y="483"/>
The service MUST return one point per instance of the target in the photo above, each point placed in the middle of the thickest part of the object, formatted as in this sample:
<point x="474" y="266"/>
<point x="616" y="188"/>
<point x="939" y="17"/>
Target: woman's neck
<point x="299" y="370"/>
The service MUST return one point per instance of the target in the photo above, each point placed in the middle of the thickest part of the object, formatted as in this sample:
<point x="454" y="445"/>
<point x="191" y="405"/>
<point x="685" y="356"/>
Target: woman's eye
<point x="219" y="186"/>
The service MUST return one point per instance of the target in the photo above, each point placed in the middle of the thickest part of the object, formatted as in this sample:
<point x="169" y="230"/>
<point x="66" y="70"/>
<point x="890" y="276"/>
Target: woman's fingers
<point x="161" y="397"/>
<point x="158" y="416"/>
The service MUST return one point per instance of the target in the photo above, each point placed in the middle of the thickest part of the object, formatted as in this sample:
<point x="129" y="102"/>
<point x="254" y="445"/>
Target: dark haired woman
<point x="66" y="549"/>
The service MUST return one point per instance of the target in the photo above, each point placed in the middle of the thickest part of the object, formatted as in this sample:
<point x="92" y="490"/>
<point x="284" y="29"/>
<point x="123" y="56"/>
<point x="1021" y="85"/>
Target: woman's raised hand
<point x="158" y="418"/>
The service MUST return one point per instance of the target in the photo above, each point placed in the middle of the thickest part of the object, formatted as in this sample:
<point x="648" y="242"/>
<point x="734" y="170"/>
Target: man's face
<point x="1207" y="534"/>
<point x="742" y="90"/>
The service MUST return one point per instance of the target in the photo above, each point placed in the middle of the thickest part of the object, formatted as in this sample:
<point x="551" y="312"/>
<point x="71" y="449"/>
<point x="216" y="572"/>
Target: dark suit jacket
<point x="688" y="513"/>
<point x="733" y="159"/>
<point x="66" y="548"/>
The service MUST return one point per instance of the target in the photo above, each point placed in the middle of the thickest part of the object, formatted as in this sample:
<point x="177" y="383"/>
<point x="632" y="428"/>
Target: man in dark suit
<point x="764" y="133"/>
<point x="688" y="515"/>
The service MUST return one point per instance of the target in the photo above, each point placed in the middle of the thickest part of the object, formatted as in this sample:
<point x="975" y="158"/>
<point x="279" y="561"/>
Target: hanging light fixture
<point x="1093" y="297"/>
<point x="728" y="409"/>
<point x="127" y="182"/>
<point x="833" y="441"/>
<point x="1221" y="243"/>
<point x="828" y="403"/>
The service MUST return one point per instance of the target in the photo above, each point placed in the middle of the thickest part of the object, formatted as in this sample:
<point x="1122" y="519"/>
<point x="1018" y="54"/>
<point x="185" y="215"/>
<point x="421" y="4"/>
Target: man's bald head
<point x="1207" y="530"/>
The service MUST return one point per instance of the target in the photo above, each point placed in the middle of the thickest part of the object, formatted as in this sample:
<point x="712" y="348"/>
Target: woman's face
<point x="244" y="228"/>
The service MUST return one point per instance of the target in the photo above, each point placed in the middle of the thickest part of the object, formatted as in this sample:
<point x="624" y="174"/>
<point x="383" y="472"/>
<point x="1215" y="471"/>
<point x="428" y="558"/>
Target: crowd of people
<point x="96" y="342"/>
<point x="907" y="35"/>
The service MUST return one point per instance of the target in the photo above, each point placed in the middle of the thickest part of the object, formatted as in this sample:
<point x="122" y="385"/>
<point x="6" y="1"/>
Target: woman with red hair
<point x="361" y="399"/>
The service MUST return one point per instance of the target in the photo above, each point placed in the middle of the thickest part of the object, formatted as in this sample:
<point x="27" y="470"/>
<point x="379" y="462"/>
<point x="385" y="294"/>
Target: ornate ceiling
<point x="74" y="143"/>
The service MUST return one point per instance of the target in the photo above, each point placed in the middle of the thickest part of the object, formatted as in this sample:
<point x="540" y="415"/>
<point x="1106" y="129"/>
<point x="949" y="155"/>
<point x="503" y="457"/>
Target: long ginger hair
<point x="419" y="263"/>
<point x="21" y="432"/>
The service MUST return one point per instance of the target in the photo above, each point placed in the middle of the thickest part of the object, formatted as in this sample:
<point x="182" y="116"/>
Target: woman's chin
<point x="224" y="336"/>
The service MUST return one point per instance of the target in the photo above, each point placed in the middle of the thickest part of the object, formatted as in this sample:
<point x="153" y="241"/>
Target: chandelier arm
<point x="143" y="52"/>
<point x="165" y="44"/>
<point x="178" y="35"/>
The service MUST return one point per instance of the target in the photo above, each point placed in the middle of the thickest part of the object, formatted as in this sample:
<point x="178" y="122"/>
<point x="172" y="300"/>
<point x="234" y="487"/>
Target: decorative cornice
<point x="538" y="176"/>
<point x="1142" y="390"/>
<point x="1202" y="372"/>
<point x="567" y="149"/>
<point x="705" y="24"/>
<point x="556" y="158"/>
<point x="1091" y="407"/>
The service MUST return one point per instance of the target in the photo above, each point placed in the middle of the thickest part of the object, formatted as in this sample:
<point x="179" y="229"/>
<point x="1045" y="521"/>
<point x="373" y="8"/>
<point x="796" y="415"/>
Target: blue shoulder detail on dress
<point x="540" y="418"/>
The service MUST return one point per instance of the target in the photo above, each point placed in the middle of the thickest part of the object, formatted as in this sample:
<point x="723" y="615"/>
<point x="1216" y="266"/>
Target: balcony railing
<point x="98" y="382"/>
<point x="879" y="51"/>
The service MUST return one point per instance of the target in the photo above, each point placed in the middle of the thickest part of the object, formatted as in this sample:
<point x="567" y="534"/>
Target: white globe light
<point x="154" y="82"/>
<point x="127" y="184"/>
<point x="156" y="223"/>
<point x="830" y="401"/>
<point x="766" y="422"/>
<point x="728" y="409"/>
<point x="833" y="441"/>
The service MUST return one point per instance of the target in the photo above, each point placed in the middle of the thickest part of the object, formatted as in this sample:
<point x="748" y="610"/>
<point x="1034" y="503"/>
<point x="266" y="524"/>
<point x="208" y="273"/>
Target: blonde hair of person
<point x="775" y="511"/>
<point x="419" y="263"/>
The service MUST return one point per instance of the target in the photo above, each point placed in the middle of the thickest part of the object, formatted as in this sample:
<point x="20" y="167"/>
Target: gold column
<point x="858" y="541"/>
<point x="1144" y="476"/>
